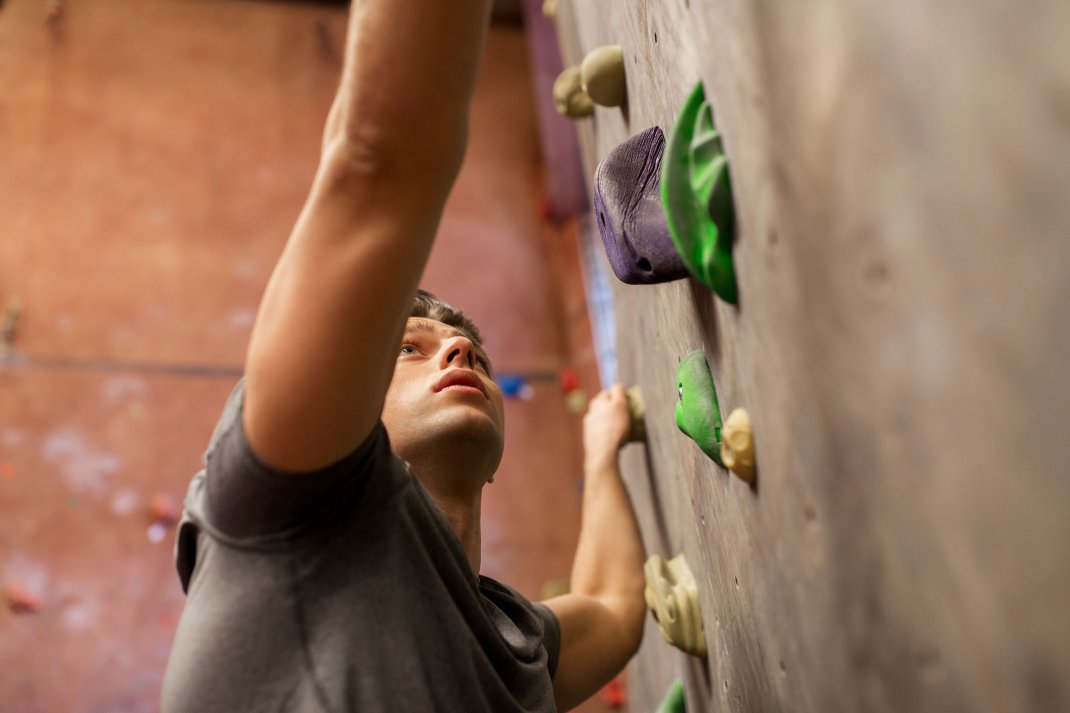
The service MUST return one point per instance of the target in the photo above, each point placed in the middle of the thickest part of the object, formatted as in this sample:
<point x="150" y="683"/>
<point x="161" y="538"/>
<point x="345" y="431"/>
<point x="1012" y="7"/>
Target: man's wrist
<point x="596" y="464"/>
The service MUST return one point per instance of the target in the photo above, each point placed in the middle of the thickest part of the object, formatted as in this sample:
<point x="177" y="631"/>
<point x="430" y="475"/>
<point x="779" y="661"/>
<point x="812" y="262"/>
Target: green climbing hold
<point x="697" y="196"/>
<point x="675" y="701"/>
<point x="697" y="412"/>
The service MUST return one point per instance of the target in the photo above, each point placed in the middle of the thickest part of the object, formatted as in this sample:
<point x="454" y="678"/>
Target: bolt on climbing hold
<point x="697" y="195"/>
<point x="627" y="208"/>
<point x="602" y="71"/>
<point x="570" y="99"/>
<point x="672" y="596"/>
<point x="697" y="412"/>
<point x="637" y="409"/>
<point x="675" y="700"/>
<point x="737" y="445"/>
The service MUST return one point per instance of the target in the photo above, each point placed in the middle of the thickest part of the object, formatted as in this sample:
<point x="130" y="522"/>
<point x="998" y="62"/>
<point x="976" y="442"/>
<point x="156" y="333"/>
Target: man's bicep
<point x="592" y="650"/>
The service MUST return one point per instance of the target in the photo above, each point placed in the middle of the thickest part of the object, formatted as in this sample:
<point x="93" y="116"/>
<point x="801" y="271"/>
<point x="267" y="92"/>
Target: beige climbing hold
<point x="8" y="324"/>
<point x="737" y="445"/>
<point x="554" y="588"/>
<point x="569" y="97"/>
<point x="637" y="432"/>
<point x="549" y="8"/>
<point x="602" y="71"/>
<point x="672" y="596"/>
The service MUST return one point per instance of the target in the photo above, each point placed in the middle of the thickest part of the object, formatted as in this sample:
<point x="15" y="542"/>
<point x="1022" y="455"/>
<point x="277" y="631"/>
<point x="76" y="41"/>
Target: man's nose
<point x="457" y="351"/>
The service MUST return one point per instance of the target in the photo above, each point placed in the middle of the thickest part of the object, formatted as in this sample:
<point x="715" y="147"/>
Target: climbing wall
<point x="899" y="174"/>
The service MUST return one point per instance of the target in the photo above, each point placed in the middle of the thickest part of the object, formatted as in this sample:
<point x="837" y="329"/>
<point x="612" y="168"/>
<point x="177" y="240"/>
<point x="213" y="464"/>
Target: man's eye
<point x="408" y="349"/>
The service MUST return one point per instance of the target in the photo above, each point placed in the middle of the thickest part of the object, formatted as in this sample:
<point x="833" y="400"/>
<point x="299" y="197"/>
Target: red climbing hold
<point x="20" y="600"/>
<point x="613" y="693"/>
<point x="162" y="511"/>
<point x="570" y="380"/>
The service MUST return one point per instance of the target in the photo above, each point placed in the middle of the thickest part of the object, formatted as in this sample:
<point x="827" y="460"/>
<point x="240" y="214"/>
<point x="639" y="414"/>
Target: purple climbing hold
<point x="627" y="206"/>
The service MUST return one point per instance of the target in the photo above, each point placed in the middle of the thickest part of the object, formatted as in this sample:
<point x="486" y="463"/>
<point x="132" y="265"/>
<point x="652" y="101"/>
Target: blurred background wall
<point x="153" y="157"/>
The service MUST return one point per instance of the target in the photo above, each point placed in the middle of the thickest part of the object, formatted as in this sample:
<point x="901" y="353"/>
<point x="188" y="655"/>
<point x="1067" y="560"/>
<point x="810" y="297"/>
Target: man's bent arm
<point x="326" y="336"/>
<point x="602" y="615"/>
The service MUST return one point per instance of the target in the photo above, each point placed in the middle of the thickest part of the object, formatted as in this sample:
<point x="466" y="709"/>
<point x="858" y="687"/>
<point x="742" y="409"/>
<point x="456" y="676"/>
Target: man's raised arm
<point x="325" y="341"/>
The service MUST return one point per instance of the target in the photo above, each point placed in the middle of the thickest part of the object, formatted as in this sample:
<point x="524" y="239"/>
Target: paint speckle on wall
<point x="245" y="268"/>
<point x="123" y="388"/>
<point x="83" y="467"/>
<point x="79" y="616"/>
<point x="241" y="318"/>
<point x="124" y="502"/>
<point x="12" y="437"/>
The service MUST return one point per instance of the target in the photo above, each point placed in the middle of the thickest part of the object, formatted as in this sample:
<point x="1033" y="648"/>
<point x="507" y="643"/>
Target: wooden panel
<point x="900" y="174"/>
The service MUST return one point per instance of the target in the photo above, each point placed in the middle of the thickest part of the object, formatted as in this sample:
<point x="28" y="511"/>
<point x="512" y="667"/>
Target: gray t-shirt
<point x="341" y="590"/>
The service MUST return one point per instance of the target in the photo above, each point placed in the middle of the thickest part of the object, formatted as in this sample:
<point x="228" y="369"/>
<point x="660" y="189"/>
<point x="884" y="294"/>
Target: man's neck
<point x="462" y="512"/>
<point x="459" y="496"/>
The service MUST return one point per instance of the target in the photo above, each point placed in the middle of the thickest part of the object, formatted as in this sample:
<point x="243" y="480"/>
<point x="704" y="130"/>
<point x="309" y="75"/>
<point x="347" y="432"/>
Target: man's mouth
<point x="462" y="378"/>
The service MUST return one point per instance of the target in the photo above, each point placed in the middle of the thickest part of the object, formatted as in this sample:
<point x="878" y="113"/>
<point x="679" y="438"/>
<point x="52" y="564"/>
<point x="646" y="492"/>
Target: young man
<point x="330" y="548"/>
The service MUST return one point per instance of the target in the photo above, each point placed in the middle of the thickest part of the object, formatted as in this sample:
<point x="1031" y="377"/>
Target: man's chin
<point x="467" y="424"/>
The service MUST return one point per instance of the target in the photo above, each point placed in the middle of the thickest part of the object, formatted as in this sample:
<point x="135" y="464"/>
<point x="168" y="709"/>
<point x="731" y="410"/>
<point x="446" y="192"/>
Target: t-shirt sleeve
<point x="551" y="635"/>
<point x="247" y="499"/>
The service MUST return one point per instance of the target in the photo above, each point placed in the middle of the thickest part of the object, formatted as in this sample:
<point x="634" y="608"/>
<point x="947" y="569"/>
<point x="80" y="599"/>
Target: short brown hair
<point x="428" y="306"/>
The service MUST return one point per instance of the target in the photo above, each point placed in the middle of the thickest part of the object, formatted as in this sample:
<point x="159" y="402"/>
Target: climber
<point x="330" y="548"/>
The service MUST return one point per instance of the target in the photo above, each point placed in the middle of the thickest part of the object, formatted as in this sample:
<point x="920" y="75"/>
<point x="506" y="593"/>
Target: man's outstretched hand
<point x="605" y="427"/>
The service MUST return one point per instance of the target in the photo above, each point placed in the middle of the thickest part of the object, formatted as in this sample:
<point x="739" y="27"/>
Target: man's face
<point x="442" y="389"/>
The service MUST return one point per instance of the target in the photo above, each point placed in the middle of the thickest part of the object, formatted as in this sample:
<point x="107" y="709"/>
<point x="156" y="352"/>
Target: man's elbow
<point x="634" y="627"/>
<point x="372" y="152"/>
<point x="630" y="615"/>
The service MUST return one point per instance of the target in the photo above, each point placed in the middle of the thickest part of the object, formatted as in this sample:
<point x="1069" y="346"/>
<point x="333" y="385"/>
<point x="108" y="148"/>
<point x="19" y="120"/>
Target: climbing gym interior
<point x="824" y="245"/>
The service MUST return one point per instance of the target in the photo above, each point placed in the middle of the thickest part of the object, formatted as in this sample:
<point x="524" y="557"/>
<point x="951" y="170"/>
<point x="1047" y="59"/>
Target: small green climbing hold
<point x="675" y="701"/>
<point x="697" y="196"/>
<point x="697" y="412"/>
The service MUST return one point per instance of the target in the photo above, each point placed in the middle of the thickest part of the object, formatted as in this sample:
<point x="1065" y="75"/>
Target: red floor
<point x="154" y="156"/>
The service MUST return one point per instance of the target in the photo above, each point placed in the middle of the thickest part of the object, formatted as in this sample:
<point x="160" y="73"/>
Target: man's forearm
<point x="609" y="555"/>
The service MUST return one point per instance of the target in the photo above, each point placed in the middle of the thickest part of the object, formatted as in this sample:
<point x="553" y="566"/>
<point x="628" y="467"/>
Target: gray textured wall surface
<point x="901" y="174"/>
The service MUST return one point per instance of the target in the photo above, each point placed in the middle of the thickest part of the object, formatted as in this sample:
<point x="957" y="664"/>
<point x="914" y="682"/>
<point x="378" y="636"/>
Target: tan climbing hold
<point x="8" y="324"/>
<point x="672" y="596"/>
<point x="569" y="97"/>
<point x="602" y="71"/>
<point x="549" y="8"/>
<point x="737" y="445"/>
<point x="637" y="432"/>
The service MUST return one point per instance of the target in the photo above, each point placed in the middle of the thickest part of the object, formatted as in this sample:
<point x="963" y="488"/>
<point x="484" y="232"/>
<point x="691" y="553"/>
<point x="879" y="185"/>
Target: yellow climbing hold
<point x="570" y="99"/>
<point x="603" y="75"/>
<point x="672" y="596"/>
<point x="737" y="445"/>
<point x="637" y="432"/>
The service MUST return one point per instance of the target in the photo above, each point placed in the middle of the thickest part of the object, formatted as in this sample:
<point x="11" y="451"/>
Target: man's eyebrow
<point x="421" y="327"/>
